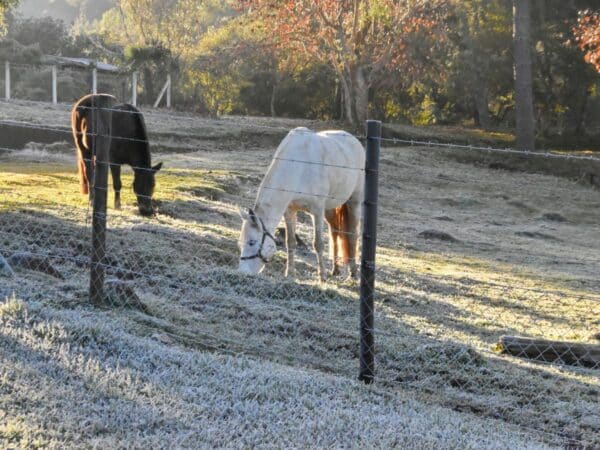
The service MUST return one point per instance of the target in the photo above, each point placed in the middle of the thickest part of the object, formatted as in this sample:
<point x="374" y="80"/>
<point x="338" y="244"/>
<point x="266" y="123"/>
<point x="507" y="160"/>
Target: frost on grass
<point x="79" y="378"/>
<point x="12" y="308"/>
<point x="439" y="308"/>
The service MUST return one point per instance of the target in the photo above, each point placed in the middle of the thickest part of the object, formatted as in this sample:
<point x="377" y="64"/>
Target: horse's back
<point x="330" y="147"/>
<point x="327" y="165"/>
<point x="130" y="138"/>
<point x="347" y="146"/>
<point x="83" y="107"/>
<point x="128" y="121"/>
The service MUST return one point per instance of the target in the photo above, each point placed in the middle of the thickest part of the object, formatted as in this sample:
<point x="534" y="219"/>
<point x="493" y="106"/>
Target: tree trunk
<point x="341" y="109"/>
<point x="273" y="97"/>
<point x="336" y="107"/>
<point x="481" y="103"/>
<point x="355" y="91"/>
<point x="361" y="96"/>
<point x="347" y="99"/>
<point x="573" y="353"/>
<point x="580" y="111"/>
<point x="525" y="120"/>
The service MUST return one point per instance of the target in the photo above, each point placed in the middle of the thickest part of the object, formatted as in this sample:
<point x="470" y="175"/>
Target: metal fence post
<point x="101" y="129"/>
<point x="369" y="243"/>
<point x="7" y="80"/>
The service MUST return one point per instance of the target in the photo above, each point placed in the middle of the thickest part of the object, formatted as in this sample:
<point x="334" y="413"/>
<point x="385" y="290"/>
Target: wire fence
<point x="484" y="302"/>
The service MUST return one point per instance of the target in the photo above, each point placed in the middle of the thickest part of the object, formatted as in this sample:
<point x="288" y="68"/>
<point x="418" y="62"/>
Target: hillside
<point x="210" y="357"/>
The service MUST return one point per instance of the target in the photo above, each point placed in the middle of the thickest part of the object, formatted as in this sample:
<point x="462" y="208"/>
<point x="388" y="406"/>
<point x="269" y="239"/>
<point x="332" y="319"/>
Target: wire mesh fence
<point x="466" y="255"/>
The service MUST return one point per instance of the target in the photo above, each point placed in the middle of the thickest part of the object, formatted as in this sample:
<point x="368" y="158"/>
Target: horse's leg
<point x="290" y="238"/>
<point x="354" y="212"/>
<point x="115" y="170"/>
<point x="317" y="217"/>
<point x="331" y="218"/>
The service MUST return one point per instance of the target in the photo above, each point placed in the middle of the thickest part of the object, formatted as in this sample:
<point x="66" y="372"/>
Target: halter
<point x="262" y="242"/>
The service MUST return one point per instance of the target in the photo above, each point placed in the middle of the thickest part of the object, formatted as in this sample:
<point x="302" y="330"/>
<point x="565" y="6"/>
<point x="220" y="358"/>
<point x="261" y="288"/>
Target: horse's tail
<point x="79" y="127"/>
<point x="81" y="123"/>
<point x="346" y="231"/>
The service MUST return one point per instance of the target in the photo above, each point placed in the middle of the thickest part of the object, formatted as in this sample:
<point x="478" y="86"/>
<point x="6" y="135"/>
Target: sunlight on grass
<point x="12" y="308"/>
<point x="474" y="302"/>
<point x="25" y="184"/>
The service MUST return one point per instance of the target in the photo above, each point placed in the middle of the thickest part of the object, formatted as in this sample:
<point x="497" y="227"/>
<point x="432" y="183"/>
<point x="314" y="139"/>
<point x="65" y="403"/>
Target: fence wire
<point x="441" y="305"/>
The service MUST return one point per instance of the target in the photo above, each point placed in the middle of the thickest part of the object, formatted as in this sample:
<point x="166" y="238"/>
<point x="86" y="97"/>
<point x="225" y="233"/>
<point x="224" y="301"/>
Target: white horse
<point x="320" y="173"/>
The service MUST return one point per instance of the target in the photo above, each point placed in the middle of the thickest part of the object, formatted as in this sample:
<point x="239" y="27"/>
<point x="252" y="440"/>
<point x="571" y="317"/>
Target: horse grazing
<point x="129" y="145"/>
<point x="319" y="173"/>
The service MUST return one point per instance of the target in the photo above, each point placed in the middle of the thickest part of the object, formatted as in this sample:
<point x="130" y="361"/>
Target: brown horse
<point x="129" y="145"/>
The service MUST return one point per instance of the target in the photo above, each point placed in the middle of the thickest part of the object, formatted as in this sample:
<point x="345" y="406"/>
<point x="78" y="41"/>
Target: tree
<point x="523" y="75"/>
<point x="51" y="35"/>
<point x="5" y="5"/>
<point x="160" y="35"/>
<point x="565" y="86"/>
<point x="177" y="25"/>
<point x="482" y="38"/>
<point x="359" y="39"/>
<point x="587" y="33"/>
<point x="151" y="60"/>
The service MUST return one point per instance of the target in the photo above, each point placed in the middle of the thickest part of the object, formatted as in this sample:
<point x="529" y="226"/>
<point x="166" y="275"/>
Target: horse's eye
<point x="251" y="243"/>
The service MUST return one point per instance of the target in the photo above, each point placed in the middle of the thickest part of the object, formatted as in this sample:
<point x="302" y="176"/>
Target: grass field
<point x="221" y="359"/>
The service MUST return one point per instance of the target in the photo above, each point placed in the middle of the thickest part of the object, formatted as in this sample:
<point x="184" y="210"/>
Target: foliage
<point x="362" y="41"/>
<point x="13" y="51"/>
<point x="5" y="5"/>
<point x="440" y="62"/>
<point x="587" y="33"/>
<point x="50" y="34"/>
<point x="565" y="87"/>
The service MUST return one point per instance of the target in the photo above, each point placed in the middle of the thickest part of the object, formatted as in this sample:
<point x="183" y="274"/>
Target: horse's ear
<point x="157" y="167"/>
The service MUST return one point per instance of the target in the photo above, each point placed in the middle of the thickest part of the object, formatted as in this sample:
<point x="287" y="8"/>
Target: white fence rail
<point x="54" y="92"/>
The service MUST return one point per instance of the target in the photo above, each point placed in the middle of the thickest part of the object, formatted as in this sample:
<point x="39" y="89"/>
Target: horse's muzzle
<point x="145" y="207"/>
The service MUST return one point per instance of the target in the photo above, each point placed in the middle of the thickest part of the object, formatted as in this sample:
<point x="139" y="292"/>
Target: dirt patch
<point x="535" y="235"/>
<point x="438" y="235"/>
<point x="521" y="206"/>
<point x="554" y="217"/>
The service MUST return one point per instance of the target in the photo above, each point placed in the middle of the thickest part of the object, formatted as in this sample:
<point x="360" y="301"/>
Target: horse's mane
<point x="283" y="146"/>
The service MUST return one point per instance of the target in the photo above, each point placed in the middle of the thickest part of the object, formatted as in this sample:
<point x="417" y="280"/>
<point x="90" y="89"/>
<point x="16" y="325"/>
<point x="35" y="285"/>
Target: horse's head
<point x="257" y="245"/>
<point x="143" y="186"/>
